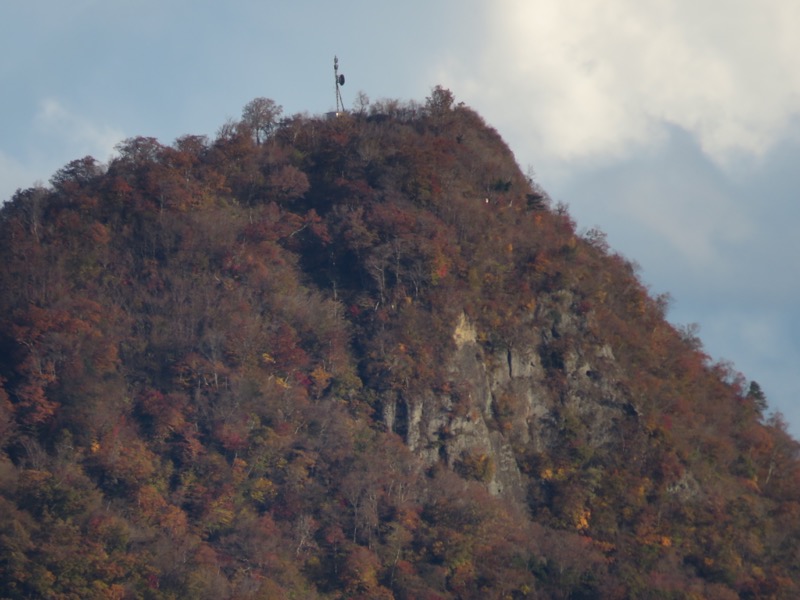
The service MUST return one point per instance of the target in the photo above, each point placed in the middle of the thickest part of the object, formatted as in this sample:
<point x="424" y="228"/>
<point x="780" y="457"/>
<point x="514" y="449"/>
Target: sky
<point x="671" y="125"/>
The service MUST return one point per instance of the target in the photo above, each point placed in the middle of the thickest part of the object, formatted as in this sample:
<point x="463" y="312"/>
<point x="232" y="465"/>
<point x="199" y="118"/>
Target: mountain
<point x="361" y="356"/>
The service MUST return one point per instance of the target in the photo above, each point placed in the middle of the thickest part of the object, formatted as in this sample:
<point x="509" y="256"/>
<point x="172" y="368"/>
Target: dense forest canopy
<point x="361" y="357"/>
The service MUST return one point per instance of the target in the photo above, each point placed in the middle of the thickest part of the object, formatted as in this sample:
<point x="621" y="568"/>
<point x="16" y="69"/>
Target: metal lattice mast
<point x="339" y="80"/>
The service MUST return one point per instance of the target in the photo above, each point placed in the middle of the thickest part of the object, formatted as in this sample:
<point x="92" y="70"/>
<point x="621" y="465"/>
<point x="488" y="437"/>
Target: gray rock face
<point x="506" y="403"/>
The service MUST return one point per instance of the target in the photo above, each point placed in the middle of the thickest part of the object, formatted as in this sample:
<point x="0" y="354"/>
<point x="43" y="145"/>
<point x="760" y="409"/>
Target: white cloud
<point x="76" y="132"/>
<point x="54" y="137"/>
<point x="598" y="78"/>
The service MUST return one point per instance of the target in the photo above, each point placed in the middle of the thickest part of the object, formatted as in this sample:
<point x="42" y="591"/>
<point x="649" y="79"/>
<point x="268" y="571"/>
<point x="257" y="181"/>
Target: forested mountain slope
<point x="361" y="357"/>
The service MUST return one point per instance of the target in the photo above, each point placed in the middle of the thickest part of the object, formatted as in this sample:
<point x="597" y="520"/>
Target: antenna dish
<point x="341" y="79"/>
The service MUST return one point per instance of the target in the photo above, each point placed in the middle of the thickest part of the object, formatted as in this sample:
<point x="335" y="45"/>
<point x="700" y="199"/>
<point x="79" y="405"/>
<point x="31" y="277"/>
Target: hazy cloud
<point x="53" y="137"/>
<point x="75" y="131"/>
<point x="673" y="196"/>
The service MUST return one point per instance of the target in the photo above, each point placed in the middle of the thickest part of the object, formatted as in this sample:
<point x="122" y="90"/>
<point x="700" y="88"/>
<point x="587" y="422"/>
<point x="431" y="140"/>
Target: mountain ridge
<point x="361" y="357"/>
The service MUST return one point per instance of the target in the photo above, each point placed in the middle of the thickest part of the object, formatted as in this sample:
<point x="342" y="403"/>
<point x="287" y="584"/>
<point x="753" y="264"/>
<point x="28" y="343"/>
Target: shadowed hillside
<point x="361" y="357"/>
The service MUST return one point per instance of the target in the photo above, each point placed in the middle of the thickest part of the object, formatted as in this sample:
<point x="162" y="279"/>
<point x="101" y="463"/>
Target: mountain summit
<point x="361" y="357"/>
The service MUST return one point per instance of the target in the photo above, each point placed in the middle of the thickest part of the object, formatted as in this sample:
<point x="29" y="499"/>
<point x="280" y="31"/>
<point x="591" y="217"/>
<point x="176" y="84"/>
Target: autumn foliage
<point x="228" y="369"/>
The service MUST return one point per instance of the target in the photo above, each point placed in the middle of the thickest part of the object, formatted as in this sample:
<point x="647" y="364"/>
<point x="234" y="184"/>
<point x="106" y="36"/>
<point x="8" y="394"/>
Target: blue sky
<point x="672" y="126"/>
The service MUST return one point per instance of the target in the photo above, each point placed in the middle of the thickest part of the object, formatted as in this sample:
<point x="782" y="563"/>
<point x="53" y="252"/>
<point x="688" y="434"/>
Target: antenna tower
<point x="339" y="82"/>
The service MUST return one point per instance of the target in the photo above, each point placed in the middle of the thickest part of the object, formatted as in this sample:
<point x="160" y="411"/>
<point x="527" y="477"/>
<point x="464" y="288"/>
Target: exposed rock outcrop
<point x="508" y="398"/>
